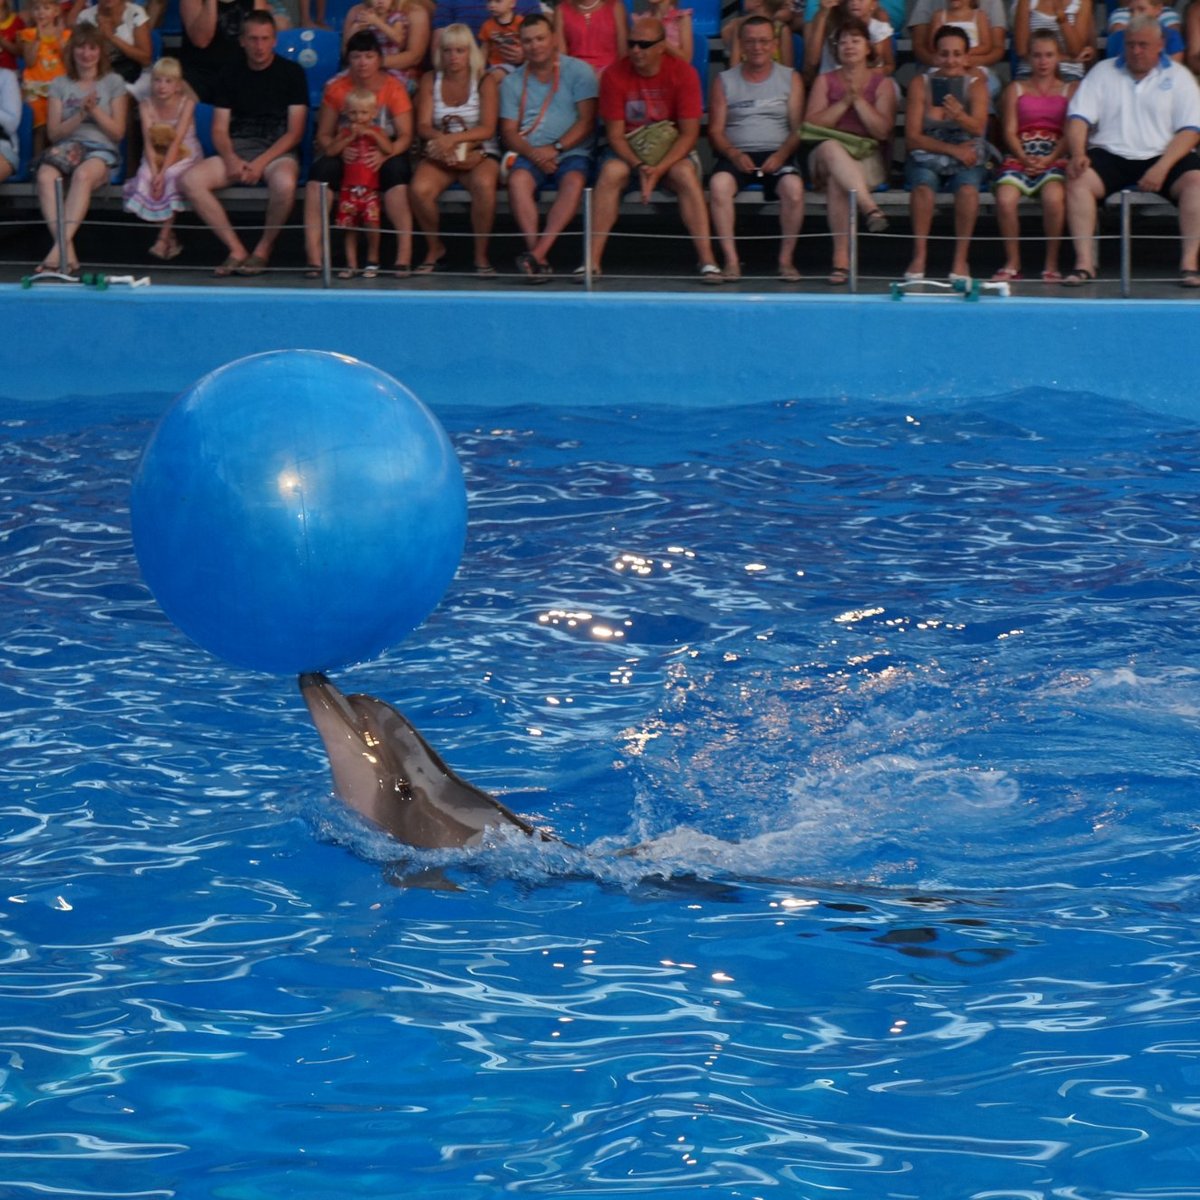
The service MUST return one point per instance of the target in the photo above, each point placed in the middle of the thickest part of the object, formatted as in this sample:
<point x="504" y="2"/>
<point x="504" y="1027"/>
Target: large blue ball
<point x="298" y="510"/>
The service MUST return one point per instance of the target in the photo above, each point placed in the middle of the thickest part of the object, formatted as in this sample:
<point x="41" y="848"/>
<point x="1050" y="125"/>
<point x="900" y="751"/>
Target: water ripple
<point x="898" y="704"/>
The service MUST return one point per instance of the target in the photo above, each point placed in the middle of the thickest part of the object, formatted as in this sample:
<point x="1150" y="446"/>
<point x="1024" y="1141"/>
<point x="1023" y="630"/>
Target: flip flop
<point x="253" y="264"/>
<point x="839" y="276"/>
<point x="1052" y="277"/>
<point x="711" y="273"/>
<point x="1006" y="275"/>
<point x="229" y="267"/>
<point x="876" y="222"/>
<point x="429" y="268"/>
<point x="346" y="273"/>
<point x="789" y="274"/>
<point x="311" y="272"/>
<point x="485" y="270"/>
<point x="1079" y="277"/>
<point x="371" y="271"/>
<point x="402" y="270"/>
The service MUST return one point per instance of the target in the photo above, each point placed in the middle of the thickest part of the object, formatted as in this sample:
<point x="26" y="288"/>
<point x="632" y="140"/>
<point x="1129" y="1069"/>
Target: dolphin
<point x="386" y="771"/>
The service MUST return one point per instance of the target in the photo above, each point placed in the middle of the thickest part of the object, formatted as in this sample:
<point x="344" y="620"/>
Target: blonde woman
<point x="457" y="109"/>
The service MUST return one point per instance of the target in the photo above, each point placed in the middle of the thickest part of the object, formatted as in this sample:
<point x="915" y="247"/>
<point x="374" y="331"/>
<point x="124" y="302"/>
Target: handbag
<point x="651" y="142"/>
<point x="466" y="158"/>
<point x="856" y="144"/>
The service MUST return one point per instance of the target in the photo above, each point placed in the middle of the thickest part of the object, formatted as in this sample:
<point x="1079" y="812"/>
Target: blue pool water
<point x="904" y="701"/>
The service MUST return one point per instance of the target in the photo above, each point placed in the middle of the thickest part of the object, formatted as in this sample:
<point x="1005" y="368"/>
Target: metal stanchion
<point x="587" y="238"/>
<point x="326" y="255"/>
<point x="60" y="222"/>
<point x="1126" y="243"/>
<point x="853" y="239"/>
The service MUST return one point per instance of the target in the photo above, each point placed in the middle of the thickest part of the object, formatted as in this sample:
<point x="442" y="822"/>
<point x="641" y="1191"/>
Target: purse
<point x="651" y="142"/>
<point x="466" y="158"/>
<point x="856" y="144"/>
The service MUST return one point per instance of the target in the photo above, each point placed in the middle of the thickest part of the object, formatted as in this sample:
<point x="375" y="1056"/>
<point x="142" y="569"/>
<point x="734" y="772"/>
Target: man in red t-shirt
<point x="649" y="86"/>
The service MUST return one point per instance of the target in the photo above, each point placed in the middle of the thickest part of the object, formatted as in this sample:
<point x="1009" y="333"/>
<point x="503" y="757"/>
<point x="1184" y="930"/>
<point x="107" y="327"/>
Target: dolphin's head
<point x="385" y="770"/>
<point x="355" y="746"/>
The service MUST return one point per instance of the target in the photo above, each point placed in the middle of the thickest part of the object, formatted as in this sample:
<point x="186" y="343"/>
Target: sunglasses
<point x="642" y="43"/>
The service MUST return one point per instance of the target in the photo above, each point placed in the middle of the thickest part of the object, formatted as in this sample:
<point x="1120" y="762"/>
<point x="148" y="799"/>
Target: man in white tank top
<point x="755" y="111"/>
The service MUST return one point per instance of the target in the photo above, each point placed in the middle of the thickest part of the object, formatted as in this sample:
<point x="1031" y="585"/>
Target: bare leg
<point x="199" y="185"/>
<point x="1083" y="194"/>
<point x="522" y="198"/>
<point x="1009" y="223"/>
<point x="722" y="188"/>
<point x="837" y="213"/>
<point x="791" y="218"/>
<point x="46" y="177"/>
<point x="561" y="214"/>
<point x="281" y="178"/>
<point x="481" y="186"/>
<point x="86" y="177"/>
<point x="920" y="209"/>
<point x="372" y="235"/>
<point x="685" y="182"/>
<point x="1054" y="215"/>
<point x="428" y="184"/>
<point x="395" y="204"/>
<point x="844" y="176"/>
<point x="606" y="203"/>
<point x="1186" y="194"/>
<point x="966" y="210"/>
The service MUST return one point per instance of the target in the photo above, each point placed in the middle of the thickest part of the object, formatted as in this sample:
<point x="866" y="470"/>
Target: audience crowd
<point x="1052" y="101"/>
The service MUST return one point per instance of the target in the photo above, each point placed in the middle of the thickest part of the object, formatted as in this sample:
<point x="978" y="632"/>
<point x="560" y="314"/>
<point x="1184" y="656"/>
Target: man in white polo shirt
<point x="1134" y="123"/>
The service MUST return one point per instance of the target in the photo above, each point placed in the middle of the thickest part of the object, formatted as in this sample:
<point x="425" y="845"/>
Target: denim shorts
<point x="569" y="160"/>
<point x="918" y="175"/>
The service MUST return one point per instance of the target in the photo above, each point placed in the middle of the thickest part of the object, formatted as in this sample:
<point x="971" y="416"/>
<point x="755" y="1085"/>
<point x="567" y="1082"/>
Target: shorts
<point x="67" y="155"/>
<point x="635" y="182"/>
<point x="918" y="175"/>
<point x="393" y="172"/>
<point x="1117" y="173"/>
<point x="571" y="161"/>
<point x="745" y="179"/>
<point x="357" y="208"/>
<point x="249" y="148"/>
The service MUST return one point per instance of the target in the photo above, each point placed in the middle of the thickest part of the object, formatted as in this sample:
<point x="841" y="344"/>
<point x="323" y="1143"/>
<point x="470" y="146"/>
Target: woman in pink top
<point x="1034" y="115"/>
<point x="592" y="30"/>
<point x="857" y="98"/>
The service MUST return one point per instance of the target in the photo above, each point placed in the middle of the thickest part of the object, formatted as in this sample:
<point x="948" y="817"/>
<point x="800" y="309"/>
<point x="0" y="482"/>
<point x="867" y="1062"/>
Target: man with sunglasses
<point x="646" y="87"/>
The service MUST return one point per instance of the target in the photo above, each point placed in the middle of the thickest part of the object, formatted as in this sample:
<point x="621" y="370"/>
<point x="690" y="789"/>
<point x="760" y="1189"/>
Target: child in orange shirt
<point x="500" y="35"/>
<point x="44" y="47"/>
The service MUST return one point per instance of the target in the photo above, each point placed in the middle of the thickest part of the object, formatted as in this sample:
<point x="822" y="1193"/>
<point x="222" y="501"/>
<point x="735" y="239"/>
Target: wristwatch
<point x="558" y="146"/>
